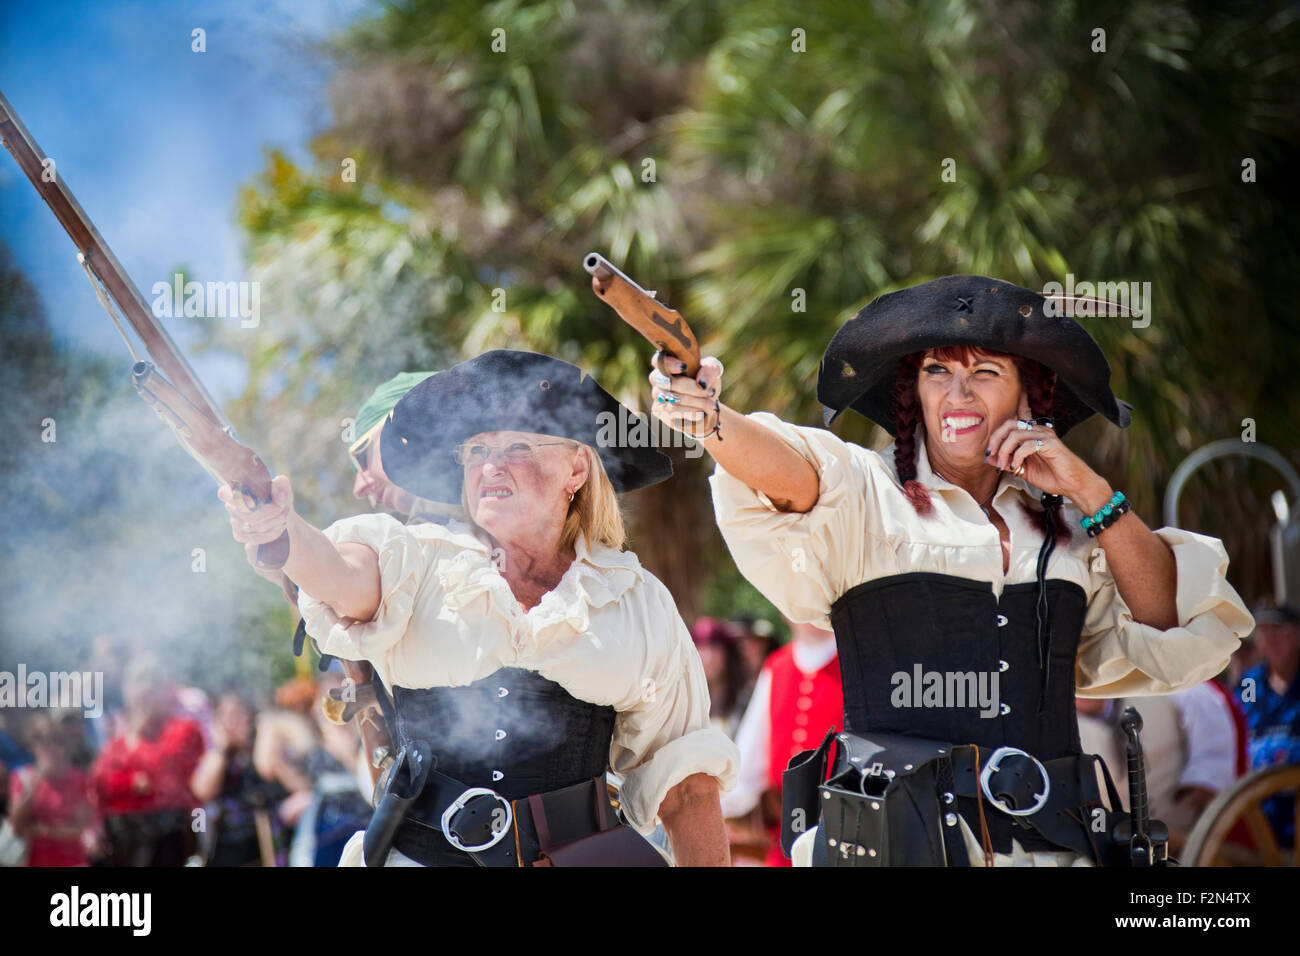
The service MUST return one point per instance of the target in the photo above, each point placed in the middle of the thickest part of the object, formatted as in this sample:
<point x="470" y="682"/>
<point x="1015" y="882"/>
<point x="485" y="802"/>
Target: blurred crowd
<point x="172" y="775"/>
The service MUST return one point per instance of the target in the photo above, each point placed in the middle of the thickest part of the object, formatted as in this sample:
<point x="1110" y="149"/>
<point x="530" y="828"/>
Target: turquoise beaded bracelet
<point x="1106" y="515"/>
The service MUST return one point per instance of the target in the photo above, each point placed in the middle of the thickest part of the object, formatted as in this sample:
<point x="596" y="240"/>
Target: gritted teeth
<point x="495" y="493"/>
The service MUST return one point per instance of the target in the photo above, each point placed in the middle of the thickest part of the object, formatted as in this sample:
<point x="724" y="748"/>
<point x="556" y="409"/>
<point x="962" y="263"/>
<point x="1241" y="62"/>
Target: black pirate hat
<point x="507" y="390"/>
<point x="861" y="363"/>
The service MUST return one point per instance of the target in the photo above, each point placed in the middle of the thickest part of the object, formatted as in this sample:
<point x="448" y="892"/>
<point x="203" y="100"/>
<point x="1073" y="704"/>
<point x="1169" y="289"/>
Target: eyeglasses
<point x="360" y="454"/>
<point x="361" y="448"/>
<point x="477" y="454"/>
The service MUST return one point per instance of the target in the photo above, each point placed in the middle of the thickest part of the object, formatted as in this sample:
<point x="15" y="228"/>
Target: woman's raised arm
<point x="345" y="577"/>
<point x="743" y="448"/>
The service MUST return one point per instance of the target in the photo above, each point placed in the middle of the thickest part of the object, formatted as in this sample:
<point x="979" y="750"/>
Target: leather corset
<point x="513" y="731"/>
<point x="921" y="623"/>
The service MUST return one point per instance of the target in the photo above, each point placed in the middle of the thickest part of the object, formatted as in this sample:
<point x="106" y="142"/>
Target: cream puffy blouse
<point x="609" y="633"/>
<point x="863" y="528"/>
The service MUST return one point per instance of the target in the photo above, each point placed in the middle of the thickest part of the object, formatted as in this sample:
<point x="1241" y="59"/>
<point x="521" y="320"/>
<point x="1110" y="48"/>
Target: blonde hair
<point x="594" y="511"/>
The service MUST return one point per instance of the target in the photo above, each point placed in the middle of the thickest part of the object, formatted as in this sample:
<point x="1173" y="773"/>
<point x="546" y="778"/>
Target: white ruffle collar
<point x="597" y="577"/>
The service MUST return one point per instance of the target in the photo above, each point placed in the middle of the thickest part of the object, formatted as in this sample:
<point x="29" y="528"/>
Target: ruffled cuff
<point x="801" y="561"/>
<point x="401" y="569"/>
<point x="702" y="751"/>
<point x="1121" y="657"/>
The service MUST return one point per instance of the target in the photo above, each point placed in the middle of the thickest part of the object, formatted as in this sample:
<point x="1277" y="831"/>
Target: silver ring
<point x="1022" y="425"/>
<point x="662" y="380"/>
<point x="990" y="768"/>
<point x="459" y="804"/>
<point x="1038" y="443"/>
<point x="247" y="528"/>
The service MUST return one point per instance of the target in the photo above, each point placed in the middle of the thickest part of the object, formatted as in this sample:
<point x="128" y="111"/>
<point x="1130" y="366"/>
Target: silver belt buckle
<point x="991" y="768"/>
<point x="459" y="804"/>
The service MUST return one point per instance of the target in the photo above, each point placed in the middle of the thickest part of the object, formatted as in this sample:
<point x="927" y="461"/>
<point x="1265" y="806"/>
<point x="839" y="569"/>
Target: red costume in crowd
<point x="135" y="774"/>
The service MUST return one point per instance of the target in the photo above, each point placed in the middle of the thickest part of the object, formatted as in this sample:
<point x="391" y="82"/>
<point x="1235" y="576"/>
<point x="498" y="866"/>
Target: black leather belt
<point x="1046" y="799"/>
<point x="568" y="814"/>
<point x="439" y="821"/>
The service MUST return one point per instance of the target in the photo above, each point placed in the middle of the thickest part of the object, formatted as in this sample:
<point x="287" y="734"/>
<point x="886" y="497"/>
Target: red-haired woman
<point x="978" y="574"/>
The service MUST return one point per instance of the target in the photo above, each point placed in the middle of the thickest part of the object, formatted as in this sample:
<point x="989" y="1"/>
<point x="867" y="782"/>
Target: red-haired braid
<point x="907" y="415"/>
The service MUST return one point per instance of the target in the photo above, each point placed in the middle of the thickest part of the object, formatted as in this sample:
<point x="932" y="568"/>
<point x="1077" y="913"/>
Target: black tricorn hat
<point x="861" y="363"/>
<point x="506" y="390"/>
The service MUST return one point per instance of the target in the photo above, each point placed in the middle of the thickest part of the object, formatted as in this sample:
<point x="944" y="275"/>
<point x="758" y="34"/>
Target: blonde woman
<point x="526" y="652"/>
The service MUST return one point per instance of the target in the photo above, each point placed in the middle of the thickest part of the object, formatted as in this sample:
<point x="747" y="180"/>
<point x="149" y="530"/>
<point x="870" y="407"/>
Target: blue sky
<point x="154" y="139"/>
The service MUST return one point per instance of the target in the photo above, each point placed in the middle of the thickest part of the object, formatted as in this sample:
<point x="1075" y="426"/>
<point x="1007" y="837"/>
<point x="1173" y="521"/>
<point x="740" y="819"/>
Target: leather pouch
<point x="799" y="783"/>
<point x="613" y="845"/>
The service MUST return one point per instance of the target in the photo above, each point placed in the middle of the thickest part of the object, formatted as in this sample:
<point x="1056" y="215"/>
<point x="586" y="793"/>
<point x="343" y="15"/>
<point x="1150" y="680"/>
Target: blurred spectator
<point x="340" y="783"/>
<point x="724" y="668"/>
<point x="798" y="698"/>
<point x="285" y="739"/>
<point x="80" y="738"/>
<point x="1245" y="658"/>
<point x="1270" y="695"/>
<point x="12" y="756"/>
<point x="1194" y="744"/>
<point x="757" y="643"/>
<point x="49" y="799"/>
<point x="142" y="777"/>
<point x="193" y="703"/>
<point x="240" y="830"/>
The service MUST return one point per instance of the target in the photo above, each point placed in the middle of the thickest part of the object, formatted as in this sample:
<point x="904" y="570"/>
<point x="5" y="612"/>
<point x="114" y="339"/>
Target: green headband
<point x="385" y="398"/>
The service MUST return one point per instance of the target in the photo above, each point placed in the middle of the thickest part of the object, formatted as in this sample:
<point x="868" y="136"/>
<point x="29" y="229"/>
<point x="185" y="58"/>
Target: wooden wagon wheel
<point x="1242" y="801"/>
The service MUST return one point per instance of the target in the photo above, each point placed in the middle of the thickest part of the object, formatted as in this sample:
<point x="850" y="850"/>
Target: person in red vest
<point x="797" y="699"/>
<point x="141" y="780"/>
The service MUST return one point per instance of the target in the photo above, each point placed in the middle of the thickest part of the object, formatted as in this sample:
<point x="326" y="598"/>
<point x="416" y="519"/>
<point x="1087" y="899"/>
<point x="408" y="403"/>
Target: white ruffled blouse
<point x="609" y="633"/>
<point x="863" y="528"/>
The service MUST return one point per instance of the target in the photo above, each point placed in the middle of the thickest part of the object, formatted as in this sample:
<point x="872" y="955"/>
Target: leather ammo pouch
<point x="564" y="833"/>
<point x="881" y="804"/>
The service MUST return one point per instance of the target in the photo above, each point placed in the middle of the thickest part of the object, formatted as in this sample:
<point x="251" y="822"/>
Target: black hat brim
<point x="507" y="390"/>
<point x="861" y="363"/>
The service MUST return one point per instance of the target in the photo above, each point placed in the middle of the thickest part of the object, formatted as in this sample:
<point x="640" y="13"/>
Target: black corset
<point x="955" y="626"/>
<point x="513" y="731"/>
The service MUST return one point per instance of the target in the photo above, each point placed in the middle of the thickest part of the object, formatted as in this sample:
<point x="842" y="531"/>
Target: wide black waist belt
<point x="567" y="815"/>
<point x="439" y="821"/>
<point x="893" y="800"/>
